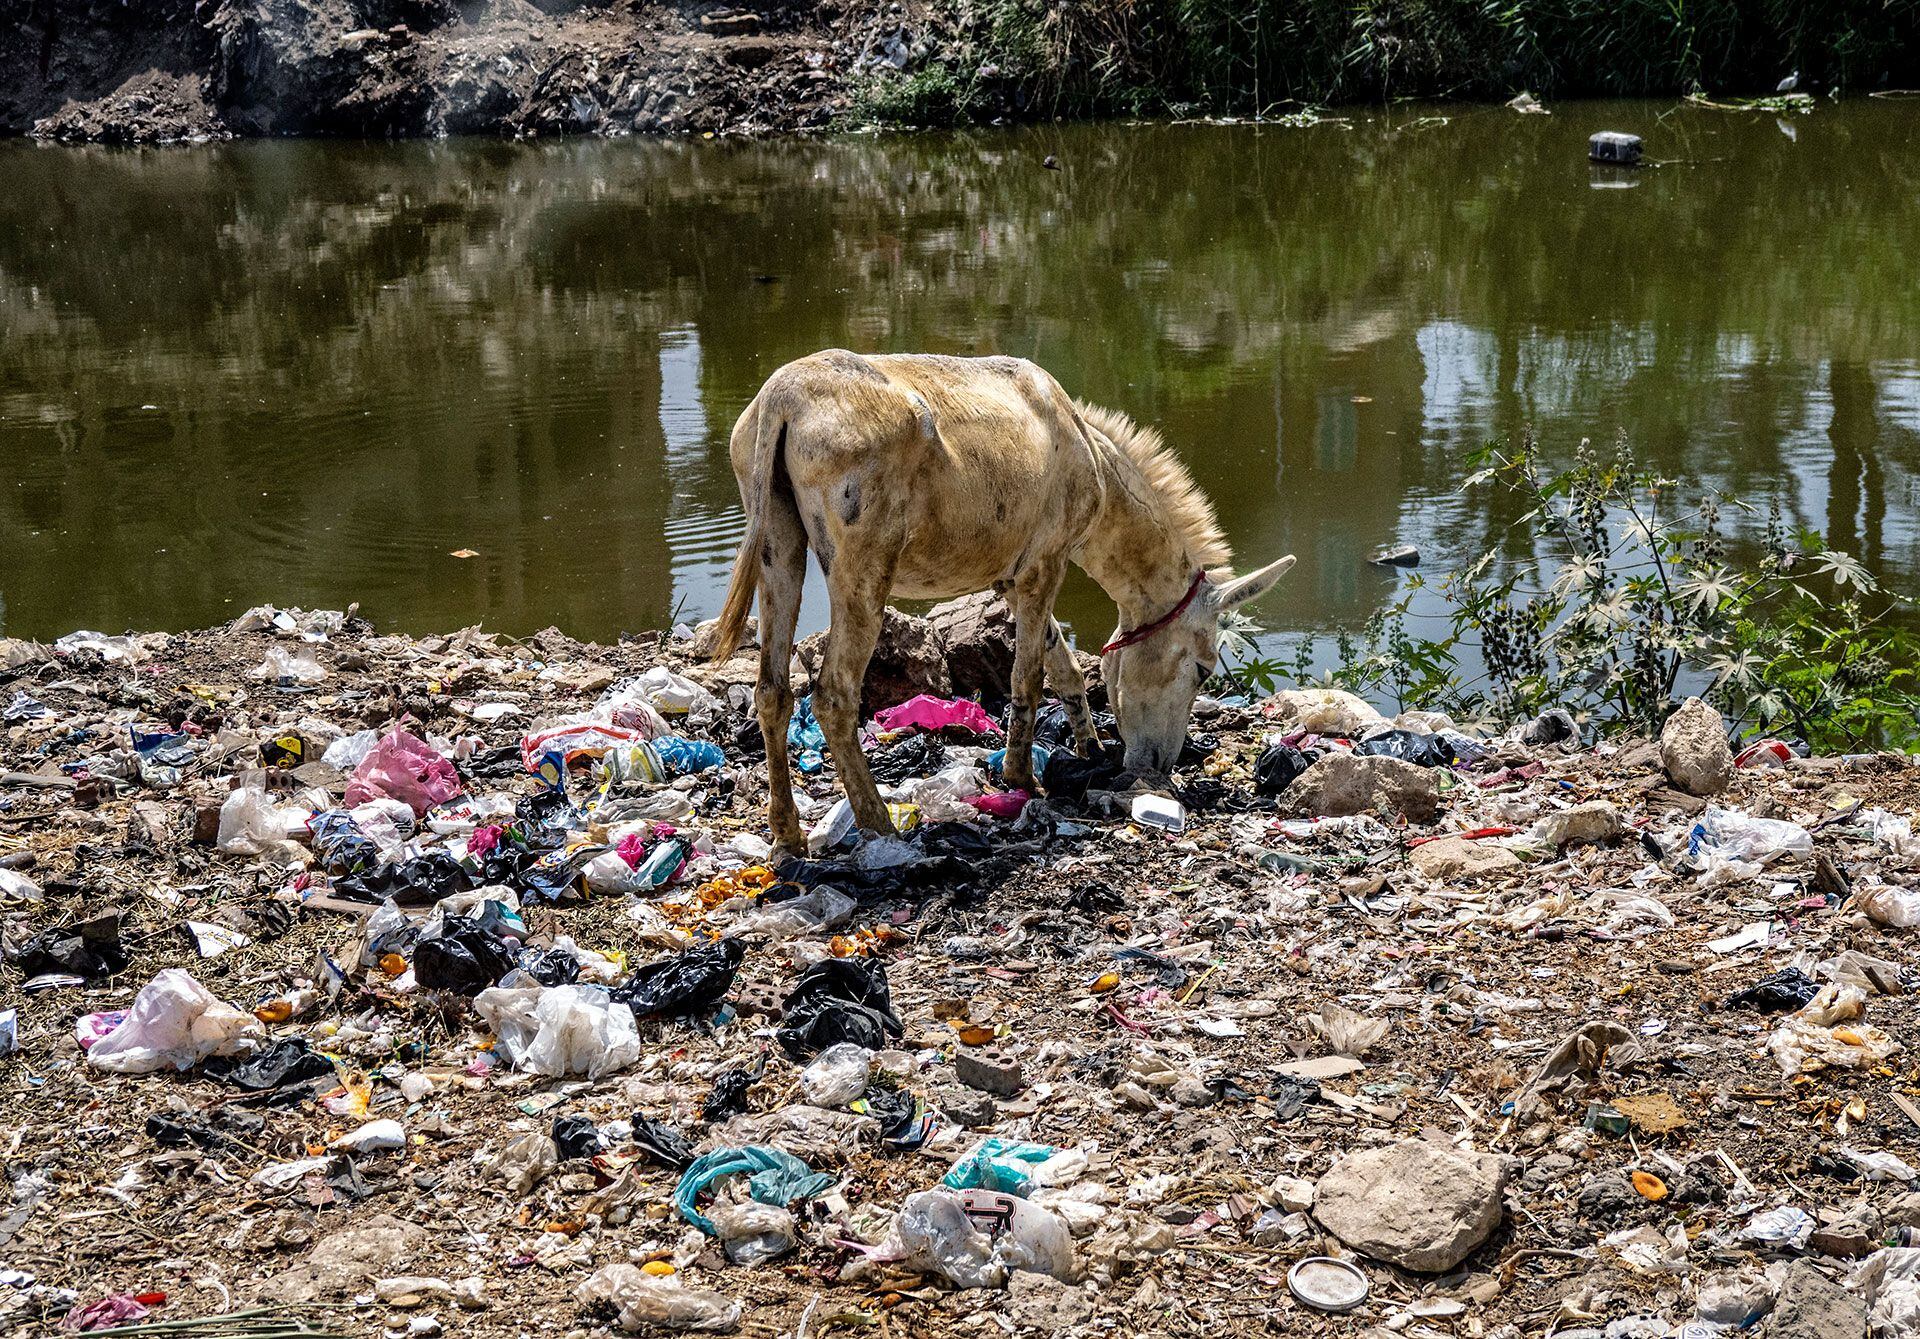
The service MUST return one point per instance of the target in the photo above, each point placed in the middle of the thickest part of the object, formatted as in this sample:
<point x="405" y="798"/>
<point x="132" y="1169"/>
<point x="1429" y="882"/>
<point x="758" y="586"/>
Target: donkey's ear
<point x="1253" y="585"/>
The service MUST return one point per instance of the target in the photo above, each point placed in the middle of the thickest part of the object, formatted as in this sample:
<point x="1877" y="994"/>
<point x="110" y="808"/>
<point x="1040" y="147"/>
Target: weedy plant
<point x="1630" y="601"/>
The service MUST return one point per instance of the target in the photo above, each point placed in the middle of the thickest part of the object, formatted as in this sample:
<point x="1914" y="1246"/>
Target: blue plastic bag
<point x="805" y="737"/>
<point x="682" y="757"/>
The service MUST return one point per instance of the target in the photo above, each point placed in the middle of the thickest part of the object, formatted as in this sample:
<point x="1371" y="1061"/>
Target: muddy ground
<point x="193" y="70"/>
<point x="1150" y="985"/>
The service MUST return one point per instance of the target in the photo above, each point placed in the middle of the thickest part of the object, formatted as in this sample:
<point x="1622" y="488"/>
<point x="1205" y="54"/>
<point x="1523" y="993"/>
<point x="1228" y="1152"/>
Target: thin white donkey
<point x="931" y="477"/>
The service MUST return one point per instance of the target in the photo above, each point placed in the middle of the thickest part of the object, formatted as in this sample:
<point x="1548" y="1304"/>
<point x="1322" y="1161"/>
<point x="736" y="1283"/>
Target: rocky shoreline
<point x="193" y="71"/>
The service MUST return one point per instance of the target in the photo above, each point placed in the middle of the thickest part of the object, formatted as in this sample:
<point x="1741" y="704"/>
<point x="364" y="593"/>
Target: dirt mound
<point x="182" y="71"/>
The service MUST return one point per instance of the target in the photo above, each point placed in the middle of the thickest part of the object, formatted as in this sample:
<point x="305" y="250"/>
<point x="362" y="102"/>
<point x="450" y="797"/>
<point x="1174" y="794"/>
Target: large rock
<point x="1342" y="784"/>
<point x="346" y="1260"/>
<point x="977" y="631"/>
<point x="317" y="67"/>
<point x="1694" y="749"/>
<point x="1812" y="1306"/>
<point x="1452" y="858"/>
<point x="908" y="660"/>
<point x="1411" y="1204"/>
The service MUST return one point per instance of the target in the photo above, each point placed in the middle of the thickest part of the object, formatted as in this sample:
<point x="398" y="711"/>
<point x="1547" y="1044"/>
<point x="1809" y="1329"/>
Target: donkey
<point x="930" y="477"/>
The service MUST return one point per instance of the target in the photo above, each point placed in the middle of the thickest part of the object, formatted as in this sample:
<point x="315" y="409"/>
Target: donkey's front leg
<point x="836" y="695"/>
<point x="1067" y="680"/>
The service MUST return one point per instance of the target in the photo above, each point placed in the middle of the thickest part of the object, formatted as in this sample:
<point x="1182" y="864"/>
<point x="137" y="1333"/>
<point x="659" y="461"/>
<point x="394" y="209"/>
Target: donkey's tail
<point x="770" y="441"/>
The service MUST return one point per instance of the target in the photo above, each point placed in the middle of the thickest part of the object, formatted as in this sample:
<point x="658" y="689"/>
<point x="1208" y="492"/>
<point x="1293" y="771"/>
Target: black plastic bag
<point x="836" y="1000"/>
<point x="551" y="967"/>
<point x="729" y="1095"/>
<point x="1195" y="749"/>
<point x="1788" y="988"/>
<point x="692" y="982"/>
<point x="1408" y="746"/>
<point x="576" y="1137"/>
<point x="916" y="755"/>
<point x="545" y="817"/>
<point x="1279" y="767"/>
<point x="501" y="764"/>
<point x="661" y="1142"/>
<point x="410" y="883"/>
<point x="466" y="957"/>
<point x="1068" y="777"/>
<point x="894" y="1108"/>
<point x="1290" y="1095"/>
<point x="221" y="1129"/>
<point x="1053" y="725"/>
<point x="1550" y="727"/>
<point x="89" y="949"/>
<point x="288" y="1061"/>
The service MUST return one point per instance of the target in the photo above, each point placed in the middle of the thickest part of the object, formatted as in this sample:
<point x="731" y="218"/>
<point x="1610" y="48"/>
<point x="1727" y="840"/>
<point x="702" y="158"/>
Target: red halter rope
<point x="1146" y="630"/>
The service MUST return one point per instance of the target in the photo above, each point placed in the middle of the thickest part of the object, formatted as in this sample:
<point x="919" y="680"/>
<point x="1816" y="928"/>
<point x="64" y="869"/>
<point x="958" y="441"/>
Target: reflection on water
<point x="307" y="372"/>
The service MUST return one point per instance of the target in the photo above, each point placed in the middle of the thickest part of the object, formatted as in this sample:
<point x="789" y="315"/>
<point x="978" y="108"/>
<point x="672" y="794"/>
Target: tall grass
<point x="1042" y="58"/>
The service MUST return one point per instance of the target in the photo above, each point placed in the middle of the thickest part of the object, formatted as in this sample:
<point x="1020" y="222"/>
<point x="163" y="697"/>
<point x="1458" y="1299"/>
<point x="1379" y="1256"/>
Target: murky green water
<point x="306" y="373"/>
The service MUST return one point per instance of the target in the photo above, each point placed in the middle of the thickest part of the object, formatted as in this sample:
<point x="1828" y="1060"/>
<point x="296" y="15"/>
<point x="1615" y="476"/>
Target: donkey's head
<point x="1154" y="672"/>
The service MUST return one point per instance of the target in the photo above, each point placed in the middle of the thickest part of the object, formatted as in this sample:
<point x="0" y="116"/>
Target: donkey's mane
<point x="1188" y="510"/>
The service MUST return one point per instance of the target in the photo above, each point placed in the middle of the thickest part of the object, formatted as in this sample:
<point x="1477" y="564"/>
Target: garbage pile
<point x="356" y="983"/>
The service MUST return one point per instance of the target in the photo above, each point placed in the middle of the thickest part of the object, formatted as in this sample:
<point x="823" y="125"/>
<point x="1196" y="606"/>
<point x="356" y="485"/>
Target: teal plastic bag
<point x="773" y="1177"/>
<point x="1005" y="1165"/>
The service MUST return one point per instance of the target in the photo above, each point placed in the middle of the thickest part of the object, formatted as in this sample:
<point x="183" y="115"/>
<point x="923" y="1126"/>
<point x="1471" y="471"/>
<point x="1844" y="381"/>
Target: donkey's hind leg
<point x="1031" y="600"/>
<point x="1071" y="685"/>
<point x="783" y="570"/>
<point x="859" y="594"/>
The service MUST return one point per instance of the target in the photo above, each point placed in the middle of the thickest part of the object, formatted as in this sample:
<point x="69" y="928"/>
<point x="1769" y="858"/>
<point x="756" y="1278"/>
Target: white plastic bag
<point x="252" y="824"/>
<point x="290" y="665"/>
<point x="349" y="752"/>
<point x="837" y="1075"/>
<point x="645" y="1300"/>
<point x="674" y="695"/>
<point x="753" y="1233"/>
<point x="17" y="887"/>
<point x="560" y="1030"/>
<point x="1737" y="836"/>
<point x="175" y="1023"/>
<point x="1890" y="904"/>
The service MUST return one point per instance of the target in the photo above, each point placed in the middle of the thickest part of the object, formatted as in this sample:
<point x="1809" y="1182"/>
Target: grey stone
<point x="347" y="1260"/>
<point x="1457" y="858"/>
<point x="966" y="1106"/>
<point x="1412" y="1204"/>
<point x="989" y="1069"/>
<point x="1694" y="750"/>
<point x="1812" y="1306"/>
<point x="977" y="632"/>
<point x="1039" y="1302"/>
<point x="707" y="632"/>
<point x="1342" y="784"/>
<point x="908" y="660"/>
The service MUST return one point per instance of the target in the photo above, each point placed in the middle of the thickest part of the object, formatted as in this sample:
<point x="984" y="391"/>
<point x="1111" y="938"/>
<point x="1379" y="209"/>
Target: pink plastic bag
<point x="937" y="713"/>
<point x="406" y="769"/>
<point x="1000" y="804"/>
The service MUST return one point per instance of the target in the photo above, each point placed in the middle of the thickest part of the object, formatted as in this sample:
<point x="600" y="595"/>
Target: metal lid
<point x="1327" y="1284"/>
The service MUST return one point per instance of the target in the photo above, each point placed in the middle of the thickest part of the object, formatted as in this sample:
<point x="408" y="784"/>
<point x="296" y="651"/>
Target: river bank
<point x="194" y="70"/>
<point x="1535" y="1039"/>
